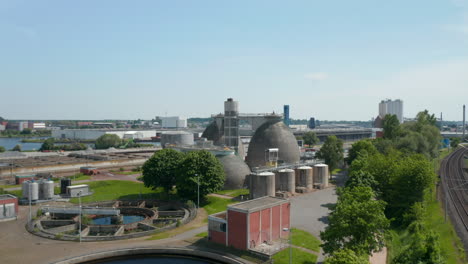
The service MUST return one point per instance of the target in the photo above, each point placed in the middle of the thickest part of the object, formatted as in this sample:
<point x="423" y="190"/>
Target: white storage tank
<point x="304" y="177"/>
<point x="46" y="189"/>
<point x="261" y="184"/>
<point x="178" y="138"/>
<point x="286" y="180"/>
<point x="30" y="190"/>
<point x="321" y="175"/>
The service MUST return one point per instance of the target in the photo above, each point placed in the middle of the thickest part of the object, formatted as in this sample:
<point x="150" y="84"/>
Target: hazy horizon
<point x="95" y="60"/>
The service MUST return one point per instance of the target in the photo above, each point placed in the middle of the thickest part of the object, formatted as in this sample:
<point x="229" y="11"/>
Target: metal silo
<point x="287" y="180"/>
<point x="25" y="188"/>
<point x="321" y="174"/>
<point x="46" y="189"/>
<point x="64" y="183"/>
<point x="34" y="191"/>
<point x="305" y="177"/>
<point x="262" y="184"/>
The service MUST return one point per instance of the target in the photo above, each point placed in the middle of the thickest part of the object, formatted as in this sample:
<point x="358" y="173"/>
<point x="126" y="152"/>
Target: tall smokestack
<point x="463" y="138"/>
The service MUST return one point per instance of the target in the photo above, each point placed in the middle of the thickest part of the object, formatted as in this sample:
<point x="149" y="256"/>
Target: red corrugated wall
<point x="275" y="228"/>
<point x="285" y="208"/>
<point x="265" y="228"/>
<point x="218" y="237"/>
<point x="237" y="229"/>
<point x="254" y="230"/>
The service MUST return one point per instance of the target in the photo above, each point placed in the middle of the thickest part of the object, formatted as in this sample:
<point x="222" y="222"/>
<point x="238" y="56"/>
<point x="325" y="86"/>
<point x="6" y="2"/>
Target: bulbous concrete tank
<point x="261" y="184"/>
<point x="236" y="171"/>
<point x="272" y="134"/>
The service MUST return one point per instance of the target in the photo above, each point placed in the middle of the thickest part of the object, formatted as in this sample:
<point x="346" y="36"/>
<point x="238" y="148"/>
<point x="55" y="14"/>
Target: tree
<point x="310" y="138"/>
<point x="48" y="144"/>
<point x="346" y="256"/>
<point x="108" y="141"/>
<point x="332" y="152"/>
<point x="454" y="142"/>
<point x="391" y="126"/>
<point x="17" y="148"/>
<point x="359" y="147"/>
<point x="26" y="131"/>
<point x="161" y="169"/>
<point x="2" y="149"/>
<point x="199" y="167"/>
<point x="357" y="223"/>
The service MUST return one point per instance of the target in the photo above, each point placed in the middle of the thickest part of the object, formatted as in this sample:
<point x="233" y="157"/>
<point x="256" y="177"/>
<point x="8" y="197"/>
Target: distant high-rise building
<point x="286" y="115"/>
<point x="392" y="107"/>
<point x="312" y="123"/>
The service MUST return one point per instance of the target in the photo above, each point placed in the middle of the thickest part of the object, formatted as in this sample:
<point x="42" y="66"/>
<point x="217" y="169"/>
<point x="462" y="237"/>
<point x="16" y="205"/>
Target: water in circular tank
<point x="262" y="184"/>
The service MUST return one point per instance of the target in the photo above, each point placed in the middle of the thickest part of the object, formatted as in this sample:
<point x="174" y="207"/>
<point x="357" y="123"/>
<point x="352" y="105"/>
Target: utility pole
<point x="79" y="198"/>
<point x="198" y="192"/>
<point x="463" y="128"/>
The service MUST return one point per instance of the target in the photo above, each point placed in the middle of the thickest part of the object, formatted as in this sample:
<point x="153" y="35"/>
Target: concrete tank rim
<point x="286" y="170"/>
<point x="265" y="173"/>
<point x="304" y="168"/>
<point x="321" y="165"/>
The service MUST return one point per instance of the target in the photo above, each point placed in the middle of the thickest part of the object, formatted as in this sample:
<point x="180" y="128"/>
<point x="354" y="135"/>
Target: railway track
<point x="455" y="185"/>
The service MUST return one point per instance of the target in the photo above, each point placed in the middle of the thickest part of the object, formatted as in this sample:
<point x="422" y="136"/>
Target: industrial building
<point x="173" y="122"/>
<point x="247" y="225"/>
<point x="392" y="107"/>
<point x="77" y="190"/>
<point x="8" y="207"/>
<point x="19" y="179"/>
<point x="89" y="170"/>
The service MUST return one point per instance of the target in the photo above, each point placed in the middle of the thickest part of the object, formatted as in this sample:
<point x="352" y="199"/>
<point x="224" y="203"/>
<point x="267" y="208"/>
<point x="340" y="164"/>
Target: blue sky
<point x="334" y="60"/>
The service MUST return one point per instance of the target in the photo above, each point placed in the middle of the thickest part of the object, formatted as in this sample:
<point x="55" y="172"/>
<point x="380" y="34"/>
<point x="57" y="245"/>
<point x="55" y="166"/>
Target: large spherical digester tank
<point x="286" y="180"/>
<point x="236" y="171"/>
<point x="304" y="177"/>
<point x="272" y="134"/>
<point x="179" y="138"/>
<point x="261" y="184"/>
<point x="321" y="174"/>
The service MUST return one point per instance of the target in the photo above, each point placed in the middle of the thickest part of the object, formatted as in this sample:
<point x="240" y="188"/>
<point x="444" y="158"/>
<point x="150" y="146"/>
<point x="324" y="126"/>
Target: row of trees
<point x="184" y="172"/>
<point x="49" y="144"/>
<point x="389" y="181"/>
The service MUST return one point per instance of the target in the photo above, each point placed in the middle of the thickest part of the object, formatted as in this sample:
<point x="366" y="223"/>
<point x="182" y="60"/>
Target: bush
<point x="2" y="149"/>
<point x="121" y="169"/>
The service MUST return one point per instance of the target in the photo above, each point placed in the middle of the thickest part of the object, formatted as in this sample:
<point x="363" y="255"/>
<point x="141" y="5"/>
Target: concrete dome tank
<point x="272" y="134"/>
<point x="236" y="171"/>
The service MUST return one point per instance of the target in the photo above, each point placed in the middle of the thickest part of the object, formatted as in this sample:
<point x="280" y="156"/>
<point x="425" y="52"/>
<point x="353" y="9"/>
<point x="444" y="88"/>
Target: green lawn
<point x="202" y="234"/>
<point x="298" y="257"/>
<point x="234" y="193"/>
<point x="114" y="189"/>
<point x="304" y="239"/>
<point x="126" y="172"/>
<point x="336" y="171"/>
<point x="10" y="186"/>
<point x="216" y="204"/>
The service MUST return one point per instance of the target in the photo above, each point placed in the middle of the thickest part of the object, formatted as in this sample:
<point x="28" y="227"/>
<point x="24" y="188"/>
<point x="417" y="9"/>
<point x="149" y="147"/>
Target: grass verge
<point x="298" y="257"/>
<point x="234" y="193"/>
<point x="202" y="234"/>
<point x="216" y="204"/>
<point x="204" y="243"/>
<point x="304" y="239"/>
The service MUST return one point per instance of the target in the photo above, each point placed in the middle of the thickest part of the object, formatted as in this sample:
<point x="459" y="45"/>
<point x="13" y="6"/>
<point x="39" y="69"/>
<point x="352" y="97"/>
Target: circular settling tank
<point x="156" y="259"/>
<point x="109" y="220"/>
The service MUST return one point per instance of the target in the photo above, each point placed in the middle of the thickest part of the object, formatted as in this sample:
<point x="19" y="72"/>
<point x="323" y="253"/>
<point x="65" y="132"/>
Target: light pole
<point x="29" y="196"/>
<point x="285" y="229"/>
<point x="198" y="190"/>
<point x="79" y="199"/>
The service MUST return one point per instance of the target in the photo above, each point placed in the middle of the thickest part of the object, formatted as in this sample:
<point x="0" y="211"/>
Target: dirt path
<point x="220" y="196"/>
<point x="379" y="257"/>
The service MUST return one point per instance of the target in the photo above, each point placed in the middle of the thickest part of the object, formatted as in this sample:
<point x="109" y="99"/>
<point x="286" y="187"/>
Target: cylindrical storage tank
<point x="305" y="177"/>
<point x="262" y="184"/>
<point x="64" y="183"/>
<point x="179" y="138"/>
<point x="25" y="188"/>
<point x="321" y="174"/>
<point x="287" y="180"/>
<point x="47" y="189"/>
<point x="34" y="191"/>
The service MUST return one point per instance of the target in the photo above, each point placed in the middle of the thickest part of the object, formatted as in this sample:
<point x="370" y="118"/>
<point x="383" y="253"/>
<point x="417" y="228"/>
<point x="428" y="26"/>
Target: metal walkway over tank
<point x="84" y="210"/>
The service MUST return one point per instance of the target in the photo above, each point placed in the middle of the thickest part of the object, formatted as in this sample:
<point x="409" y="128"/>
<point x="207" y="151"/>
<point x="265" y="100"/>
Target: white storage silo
<point x="321" y="175"/>
<point x="286" y="180"/>
<point x="262" y="184"/>
<point x="46" y="189"/>
<point x="304" y="177"/>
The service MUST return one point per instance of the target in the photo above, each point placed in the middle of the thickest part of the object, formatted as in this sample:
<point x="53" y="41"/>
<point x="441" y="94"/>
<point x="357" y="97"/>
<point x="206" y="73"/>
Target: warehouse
<point x="8" y="207"/>
<point x="247" y="225"/>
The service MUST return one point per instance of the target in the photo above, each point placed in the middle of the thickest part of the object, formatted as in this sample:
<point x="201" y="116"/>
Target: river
<point x="9" y="143"/>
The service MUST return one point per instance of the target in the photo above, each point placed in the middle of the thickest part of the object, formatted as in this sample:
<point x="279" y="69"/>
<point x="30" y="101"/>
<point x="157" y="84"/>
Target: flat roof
<point x="7" y="196"/>
<point x="78" y="186"/>
<point x="25" y="176"/>
<point x="257" y="204"/>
